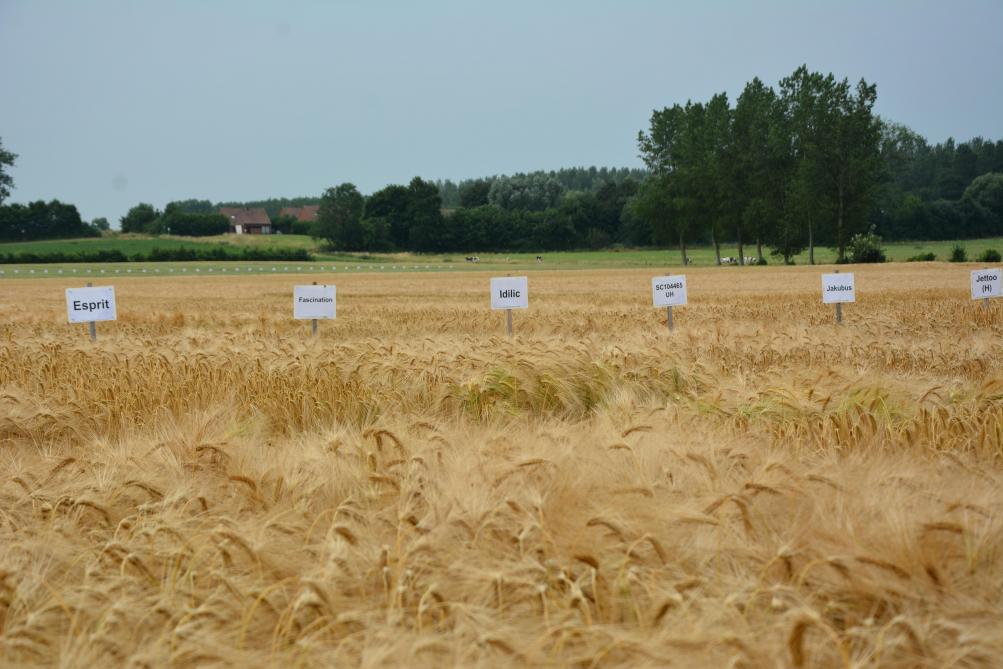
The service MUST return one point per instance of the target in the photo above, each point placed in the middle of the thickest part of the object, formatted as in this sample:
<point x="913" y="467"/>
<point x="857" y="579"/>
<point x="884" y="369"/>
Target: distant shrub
<point x="157" y="255"/>
<point x="302" y="227"/>
<point x="958" y="254"/>
<point x="761" y="262"/>
<point x="866" y="248"/>
<point x="923" y="257"/>
<point x="990" y="255"/>
<point x="194" y="225"/>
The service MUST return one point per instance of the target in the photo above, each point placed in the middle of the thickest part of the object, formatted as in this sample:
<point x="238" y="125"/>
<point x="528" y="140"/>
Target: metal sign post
<point x="508" y="322"/>
<point x="92" y="325"/>
<point x="668" y="311"/>
<point x="313" y="322"/>
<point x="839" y="309"/>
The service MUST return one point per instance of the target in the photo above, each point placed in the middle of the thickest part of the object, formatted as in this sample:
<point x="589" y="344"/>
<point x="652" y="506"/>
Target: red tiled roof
<point x="245" y="217"/>
<point x="290" y="211"/>
<point x="309" y="212"/>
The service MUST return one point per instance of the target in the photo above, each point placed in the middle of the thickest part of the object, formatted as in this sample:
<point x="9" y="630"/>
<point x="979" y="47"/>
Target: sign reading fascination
<point x="310" y="302"/>
<point x="669" y="291"/>
<point x="838" y="288"/>
<point x="986" y="283"/>
<point x="84" y="305"/>
<point x="510" y="292"/>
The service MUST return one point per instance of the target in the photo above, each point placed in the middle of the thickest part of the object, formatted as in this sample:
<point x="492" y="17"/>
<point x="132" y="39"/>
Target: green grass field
<point x="391" y="262"/>
<point x="128" y="245"/>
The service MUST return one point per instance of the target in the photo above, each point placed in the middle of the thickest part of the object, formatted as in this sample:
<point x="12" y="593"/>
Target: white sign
<point x="986" y="283"/>
<point x="838" y="288"/>
<point x="311" y="302"/>
<point x="90" y="304"/>
<point x="510" y="292"/>
<point x="669" y="291"/>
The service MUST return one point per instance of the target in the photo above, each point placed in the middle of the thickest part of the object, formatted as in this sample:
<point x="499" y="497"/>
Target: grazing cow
<point x="749" y="260"/>
<point x="728" y="260"/>
<point x="539" y="259"/>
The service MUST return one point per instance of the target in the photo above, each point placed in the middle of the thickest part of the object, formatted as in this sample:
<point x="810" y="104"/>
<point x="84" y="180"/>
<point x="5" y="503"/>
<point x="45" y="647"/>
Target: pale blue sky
<point x="110" y="103"/>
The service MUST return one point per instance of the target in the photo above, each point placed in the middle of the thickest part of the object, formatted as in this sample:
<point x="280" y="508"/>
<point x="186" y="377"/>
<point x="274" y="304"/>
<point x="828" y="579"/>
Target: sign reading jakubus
<point x="86" y="305"/>
<point x="315" y="302"/>
<point x="510" y="292"/>
<point x="669" y="291"/>
<point x="986" y="283"/>
<point x="838" y="288"/>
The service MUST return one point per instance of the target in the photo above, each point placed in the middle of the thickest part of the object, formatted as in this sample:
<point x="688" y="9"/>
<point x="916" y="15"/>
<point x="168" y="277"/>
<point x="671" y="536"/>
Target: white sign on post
<point x="669" y="291"/>
<point x="986" y="283"/>
<point x="86" y="305"/>
<point x="312" y="302"/>
<point x="510" y="292"/>
<point x="838" y="288"/>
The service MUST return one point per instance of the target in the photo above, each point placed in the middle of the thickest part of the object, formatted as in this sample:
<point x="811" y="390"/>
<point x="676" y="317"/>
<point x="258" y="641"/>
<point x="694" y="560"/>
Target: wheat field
<point x="207" y="485"/>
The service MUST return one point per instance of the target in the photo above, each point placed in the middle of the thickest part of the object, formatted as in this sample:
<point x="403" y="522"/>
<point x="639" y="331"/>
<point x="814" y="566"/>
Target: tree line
<point x="808" y="164"/>
<point x="43" y="220"/>
<point x="475" y="192"/>
<point x="184" y="254"/>
<point x="784" y="169"/>
<point x="524" y="212"/>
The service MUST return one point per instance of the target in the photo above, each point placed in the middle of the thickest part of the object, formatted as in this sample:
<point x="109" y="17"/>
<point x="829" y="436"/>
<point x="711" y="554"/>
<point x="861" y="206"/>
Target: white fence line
<point x="229" y="270"/>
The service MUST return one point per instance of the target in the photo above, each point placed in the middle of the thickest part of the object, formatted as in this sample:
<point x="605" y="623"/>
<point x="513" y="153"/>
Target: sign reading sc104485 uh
<point x="315" y="302"/>
<point x="838" y="288"/>
<point x="85" y="305"/>
<point x="669" y="291"/>
<point x="986" y="283"/>
<point x="510" y="292"/>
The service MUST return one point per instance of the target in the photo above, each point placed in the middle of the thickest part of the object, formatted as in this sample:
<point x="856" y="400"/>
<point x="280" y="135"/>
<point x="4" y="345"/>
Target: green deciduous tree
<point x="139" y="219"/>
<point x="339" y="220"/>
<point x="985" y="194"/>
<point x="390" y="204"/>
<point x="805" y="124"/>
<point x="474" y="193"/>
<point x="851" y="158"/>
<point x="760" y="153"/>
<point x="424" y="213"/>
<point x="6" y="180"/>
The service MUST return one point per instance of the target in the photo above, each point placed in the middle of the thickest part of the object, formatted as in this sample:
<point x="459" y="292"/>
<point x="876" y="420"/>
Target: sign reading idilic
<point x="86" y="305"/>
<point x="510" y="292"/>
<point x="314" y="302"/>
<point x="838" y="288"/>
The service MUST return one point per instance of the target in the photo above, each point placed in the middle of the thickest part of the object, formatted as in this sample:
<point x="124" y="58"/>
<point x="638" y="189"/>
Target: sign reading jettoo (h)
<point x="986" y="283"/>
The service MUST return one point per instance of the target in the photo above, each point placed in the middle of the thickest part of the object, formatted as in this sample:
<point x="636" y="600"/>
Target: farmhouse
<point x="306" y="213"/>
<point x="247" y="221"/>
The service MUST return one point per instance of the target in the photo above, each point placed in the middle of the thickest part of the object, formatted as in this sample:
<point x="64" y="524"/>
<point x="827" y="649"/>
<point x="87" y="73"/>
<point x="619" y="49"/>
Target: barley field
<point x="208" y="486"/>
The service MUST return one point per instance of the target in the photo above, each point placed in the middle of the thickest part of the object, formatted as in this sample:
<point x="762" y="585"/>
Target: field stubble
<point x="206" y="485"/>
